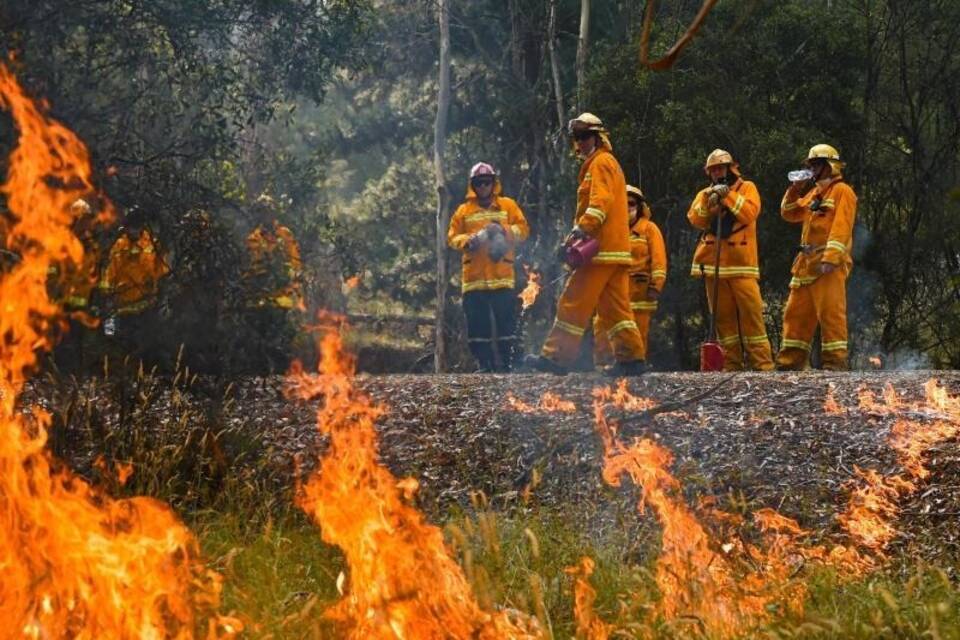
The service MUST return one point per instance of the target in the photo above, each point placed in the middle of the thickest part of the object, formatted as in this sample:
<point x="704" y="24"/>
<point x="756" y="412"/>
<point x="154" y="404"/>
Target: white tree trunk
<point x="555" y="65"/>
<point x="583" y="42"/>
<point x="443" y="195"/>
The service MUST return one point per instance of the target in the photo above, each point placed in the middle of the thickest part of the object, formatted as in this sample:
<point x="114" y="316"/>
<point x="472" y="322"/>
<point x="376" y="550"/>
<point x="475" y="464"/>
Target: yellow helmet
<point x="635" y="191"/>
<point x="828" y="153"/>
<point x="586" y="122"/>
<point x="717" y="157"/>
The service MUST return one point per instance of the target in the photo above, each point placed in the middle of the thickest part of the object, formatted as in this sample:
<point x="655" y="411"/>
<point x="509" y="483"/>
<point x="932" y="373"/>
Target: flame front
<point x="529" y="294"/>
<point x="76" y="563"/>
<point x="403" y="583"/>
<point x="548" y="403"/>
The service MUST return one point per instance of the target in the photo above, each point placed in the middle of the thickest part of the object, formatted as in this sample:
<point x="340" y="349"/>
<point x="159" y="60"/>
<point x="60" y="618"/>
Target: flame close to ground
<point x="403" y="582"/>
<point x="725" y="588"/>
<point x="548" y="403"/>
<point x="76" y="562"/>
<point x="530" y="292"/>
<point x="873" y="506"/>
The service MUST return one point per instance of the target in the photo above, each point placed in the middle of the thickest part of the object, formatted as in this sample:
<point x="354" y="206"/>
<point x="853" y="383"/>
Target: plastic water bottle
<point x="800" y="175"/>
<point x="110" y="326"/>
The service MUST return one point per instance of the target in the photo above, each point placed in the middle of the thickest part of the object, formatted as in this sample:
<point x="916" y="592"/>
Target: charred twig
<point x="667" y="407"/>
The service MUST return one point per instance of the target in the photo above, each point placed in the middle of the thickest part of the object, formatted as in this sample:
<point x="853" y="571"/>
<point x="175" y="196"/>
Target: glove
<point x="576" y="234"/>
<point x="721" y="190"/>
<point x="652" y="294"/>
<point x="474" y="242"/>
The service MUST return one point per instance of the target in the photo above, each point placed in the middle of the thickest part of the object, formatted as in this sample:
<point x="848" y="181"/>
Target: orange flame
<point x="872" y="508"/>
<point x="532" y="290"/>
<point x="403" y="582"/>
<point x="352" y="282"/>
<point x="695" y="580"/>
<point x="589" y="626"/>
<point x="830" y="405"/>
<point x="876" y="362"/>
<point x="548" y="403"/>
<point x="76" y="562"/>
<point x="622" y="398"/>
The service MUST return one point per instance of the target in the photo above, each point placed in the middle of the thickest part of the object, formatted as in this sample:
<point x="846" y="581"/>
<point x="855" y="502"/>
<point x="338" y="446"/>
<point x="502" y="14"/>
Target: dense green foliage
<point x="330" y="106"/>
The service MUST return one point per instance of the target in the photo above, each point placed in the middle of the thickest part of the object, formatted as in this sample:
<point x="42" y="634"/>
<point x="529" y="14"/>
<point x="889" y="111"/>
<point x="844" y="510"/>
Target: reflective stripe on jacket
<point x="828" y="212"/>
<point x="478" y="271"/>
<point x="738" y="252"/>
<point x="602" y="207"/>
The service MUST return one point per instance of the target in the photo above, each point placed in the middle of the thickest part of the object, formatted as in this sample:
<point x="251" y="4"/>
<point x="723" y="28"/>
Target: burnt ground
<point x="747" y="441"/>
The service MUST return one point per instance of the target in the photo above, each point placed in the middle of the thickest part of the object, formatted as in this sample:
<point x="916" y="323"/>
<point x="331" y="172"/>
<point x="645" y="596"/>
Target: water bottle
<point x="110" y="326"/>
<point x="800" y="175"/>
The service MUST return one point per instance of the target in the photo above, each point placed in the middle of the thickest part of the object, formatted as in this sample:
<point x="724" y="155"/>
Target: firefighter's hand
<point x="473" y="243"/>
<point x="800" y="189"/>
<point x="721" y="190"/>
<point x="827" y="267"/>
<point x="576" y="234"/>
<point x="652" y="294"/>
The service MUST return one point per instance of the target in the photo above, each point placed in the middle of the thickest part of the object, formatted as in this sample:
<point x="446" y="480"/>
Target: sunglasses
<point x="632" y="203"/>
<point x="482" y="182"/>
<point x="583" y="135"/>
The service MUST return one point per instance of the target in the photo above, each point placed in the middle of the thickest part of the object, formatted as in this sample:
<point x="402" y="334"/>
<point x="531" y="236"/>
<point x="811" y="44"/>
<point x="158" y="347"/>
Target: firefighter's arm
<point x="601" y="197"/>
<point x="658" y="257"/>
<point x="841" y="231"/>
<point x="699" y="214"/>
<point x="743" y="204"/>
<point x="457" y="236"/>
<point x="517" y="228"/>
<point x="791" y="207"/>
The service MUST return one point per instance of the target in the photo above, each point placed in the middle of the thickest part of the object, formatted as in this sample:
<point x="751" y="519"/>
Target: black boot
<point x="625" y="369"/>
<point x="541" y="363"/>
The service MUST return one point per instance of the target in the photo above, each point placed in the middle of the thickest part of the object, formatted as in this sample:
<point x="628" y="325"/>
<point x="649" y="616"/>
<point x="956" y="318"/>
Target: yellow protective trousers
<point x="604" y="288"/>
<point x="642" y="310"/>
<point x="823" y="302"/>
<point x="740" y="325"/>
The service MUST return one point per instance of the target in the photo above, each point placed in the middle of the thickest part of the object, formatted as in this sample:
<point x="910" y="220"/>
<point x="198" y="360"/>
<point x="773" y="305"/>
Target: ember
<point x="532" y="290"/>
<point x="549" y="403"/>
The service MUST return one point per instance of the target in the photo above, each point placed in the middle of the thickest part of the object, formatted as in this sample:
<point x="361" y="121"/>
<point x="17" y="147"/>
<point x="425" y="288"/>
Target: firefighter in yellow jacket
<point x="827" y="207"/>
<point x="739" y="306"/>
<point x="648" y="272"/>
<point x="273" y="276"/>
<point x="603" y="284"/>
<point x="273" y="292"/>
<point x="134" y="268"/>
<point x="487" y="228"/>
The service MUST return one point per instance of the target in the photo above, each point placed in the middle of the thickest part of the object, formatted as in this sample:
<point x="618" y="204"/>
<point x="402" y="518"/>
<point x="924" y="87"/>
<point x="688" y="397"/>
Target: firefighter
<point x="272" y="285"/>
<point x="603" y="284"/>
<point x="827" y="207"/>
<point x="487" y="228"/>
<point x="648" y="272"/>
<point x="135" y="266"/>
<point x="739" y="307"/>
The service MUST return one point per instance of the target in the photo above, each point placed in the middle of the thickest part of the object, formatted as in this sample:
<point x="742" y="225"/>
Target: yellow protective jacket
<point x="602" y="207"/>
<point x="738" y="252"/>
<point x="479" y="272"/>
<point x="648" y="252"/>
<point x="827" y="234"/>
<point x="274" y="266"/>
<point x="133" y="272"/>
<point x="72" y="284"/>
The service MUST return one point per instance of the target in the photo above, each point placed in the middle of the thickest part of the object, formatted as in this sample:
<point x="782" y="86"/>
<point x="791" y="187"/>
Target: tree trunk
<point x="583" y="42"/>
<point x="555" y="65"/>
<point x="443" y="194"/>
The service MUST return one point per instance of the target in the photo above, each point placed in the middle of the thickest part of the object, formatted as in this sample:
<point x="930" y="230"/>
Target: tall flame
<point x="76" y="563"/>
<point x="403" y="582"/>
